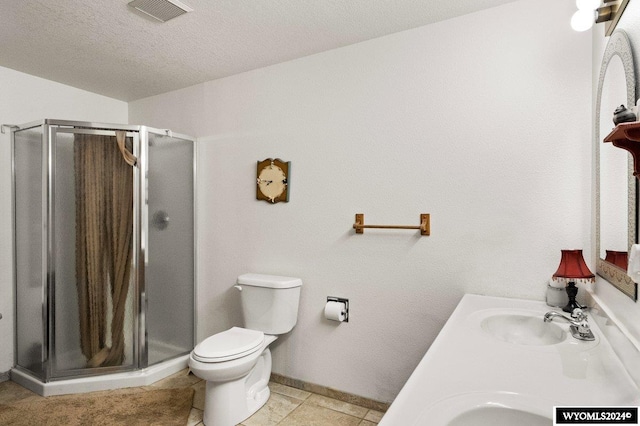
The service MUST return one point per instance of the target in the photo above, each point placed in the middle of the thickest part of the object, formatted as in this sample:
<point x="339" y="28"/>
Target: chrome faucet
<point x="579" y="326"/>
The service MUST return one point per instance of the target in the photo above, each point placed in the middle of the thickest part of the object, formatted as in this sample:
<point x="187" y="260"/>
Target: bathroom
<point x="483" y="120"/>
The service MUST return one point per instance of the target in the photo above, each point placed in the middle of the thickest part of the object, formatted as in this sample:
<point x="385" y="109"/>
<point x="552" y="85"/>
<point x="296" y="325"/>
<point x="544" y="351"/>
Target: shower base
<point x="129" y="379"/>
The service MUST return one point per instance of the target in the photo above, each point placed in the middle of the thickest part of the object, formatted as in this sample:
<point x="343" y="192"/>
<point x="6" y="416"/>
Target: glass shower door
<point x="93" y="289"/>
<point x="169" y="253"/>
<point x="29" y="169"/>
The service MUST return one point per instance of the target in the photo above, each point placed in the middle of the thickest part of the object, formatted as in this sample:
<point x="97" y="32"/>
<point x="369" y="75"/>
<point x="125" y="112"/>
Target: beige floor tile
<point x="374" y="416"/>
<point x="341" y="406"/>
<point x="288" y="391"/>
<point x="367" y="423"/>
<point x="277" y="408"/>
<point x="312" y="415"/>
<point x="198" y="397"/>
<point x="195" y="417"/>
<point x="181" y="379"/>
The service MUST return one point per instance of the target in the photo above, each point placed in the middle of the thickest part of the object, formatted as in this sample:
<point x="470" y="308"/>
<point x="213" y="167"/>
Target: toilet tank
<point x="269" y="302"/>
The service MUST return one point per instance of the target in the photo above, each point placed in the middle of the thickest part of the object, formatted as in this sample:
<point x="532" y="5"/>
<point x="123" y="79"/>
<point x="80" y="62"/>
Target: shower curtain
<point x="104" y="234"/>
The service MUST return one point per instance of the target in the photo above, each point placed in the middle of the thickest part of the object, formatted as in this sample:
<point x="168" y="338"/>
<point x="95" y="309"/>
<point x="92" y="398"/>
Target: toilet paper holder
<point x="346" y="305"/>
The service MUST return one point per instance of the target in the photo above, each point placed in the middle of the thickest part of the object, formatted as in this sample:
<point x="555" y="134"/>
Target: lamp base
<point x="572" y="292"/>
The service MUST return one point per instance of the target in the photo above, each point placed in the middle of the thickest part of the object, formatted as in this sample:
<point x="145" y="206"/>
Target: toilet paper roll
<point x="334" y="311"/>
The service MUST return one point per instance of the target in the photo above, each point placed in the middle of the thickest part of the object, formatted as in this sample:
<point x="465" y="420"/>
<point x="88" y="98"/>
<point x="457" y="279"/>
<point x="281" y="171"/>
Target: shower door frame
<point x="50" y="128"/>
<point x="53" y="129"/>
<point x="143" y="341"/>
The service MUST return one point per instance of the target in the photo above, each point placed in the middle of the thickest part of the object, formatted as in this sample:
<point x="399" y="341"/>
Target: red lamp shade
<point x="618" y="258"/>
<point x="572" y="265"/>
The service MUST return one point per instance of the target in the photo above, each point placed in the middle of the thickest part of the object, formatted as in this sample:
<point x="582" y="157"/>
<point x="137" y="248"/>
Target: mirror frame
<point x="620" y="46"/>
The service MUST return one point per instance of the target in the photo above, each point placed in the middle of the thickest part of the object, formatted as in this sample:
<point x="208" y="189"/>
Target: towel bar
<point x="424" y="227"/>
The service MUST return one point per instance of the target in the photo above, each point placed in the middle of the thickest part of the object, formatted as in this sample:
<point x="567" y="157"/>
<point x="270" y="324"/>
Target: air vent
<point x="162" y="10"/>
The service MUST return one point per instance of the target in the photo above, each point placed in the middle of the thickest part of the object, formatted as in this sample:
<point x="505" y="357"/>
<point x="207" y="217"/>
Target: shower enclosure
<point x="104" y="253"/>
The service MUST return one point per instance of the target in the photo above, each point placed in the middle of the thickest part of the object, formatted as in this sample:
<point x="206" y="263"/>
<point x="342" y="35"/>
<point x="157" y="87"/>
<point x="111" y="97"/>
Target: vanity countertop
<point x="467" y="363"/>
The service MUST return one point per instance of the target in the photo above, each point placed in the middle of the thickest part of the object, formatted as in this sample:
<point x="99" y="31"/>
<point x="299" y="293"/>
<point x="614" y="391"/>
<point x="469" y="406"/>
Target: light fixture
<point x="583" y="19"/>
<point x="162" y="10"/>
<point x="592" y="11"/>
<point x="573" y="267"/>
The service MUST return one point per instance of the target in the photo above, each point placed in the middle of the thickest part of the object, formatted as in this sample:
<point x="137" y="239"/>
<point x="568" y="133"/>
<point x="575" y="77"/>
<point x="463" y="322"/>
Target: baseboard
<point x="330" y="393"/>
<point x="4" y="376"/>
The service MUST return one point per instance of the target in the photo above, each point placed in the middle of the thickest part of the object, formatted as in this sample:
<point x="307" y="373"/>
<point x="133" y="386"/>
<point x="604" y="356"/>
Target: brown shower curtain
<point x="104" y="234"/>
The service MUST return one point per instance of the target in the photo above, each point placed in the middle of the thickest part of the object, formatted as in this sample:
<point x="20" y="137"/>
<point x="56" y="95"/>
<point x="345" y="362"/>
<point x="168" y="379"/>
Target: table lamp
<point x="573" y="267"/>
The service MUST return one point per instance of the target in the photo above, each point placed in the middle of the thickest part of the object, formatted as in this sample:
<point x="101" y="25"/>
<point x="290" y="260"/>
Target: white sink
<point x="496" y="363"/>
<point x="488" y="409"/>
<point x="523" y="329"/>
<point x="498" y="416"/>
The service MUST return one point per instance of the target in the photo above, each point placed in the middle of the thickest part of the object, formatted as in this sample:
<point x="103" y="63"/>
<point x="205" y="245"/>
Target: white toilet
<point x="237" y="363"/>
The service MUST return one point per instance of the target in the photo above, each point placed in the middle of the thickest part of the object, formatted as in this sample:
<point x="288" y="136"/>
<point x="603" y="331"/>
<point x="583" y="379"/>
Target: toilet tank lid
<point x="270" y="281"/>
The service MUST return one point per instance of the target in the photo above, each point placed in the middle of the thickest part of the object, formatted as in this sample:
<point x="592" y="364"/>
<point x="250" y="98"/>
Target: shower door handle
<point x="160" y="220"/>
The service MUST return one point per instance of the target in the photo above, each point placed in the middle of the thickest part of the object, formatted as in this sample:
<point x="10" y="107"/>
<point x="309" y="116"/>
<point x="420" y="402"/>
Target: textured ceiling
<point x="106" y="47"/>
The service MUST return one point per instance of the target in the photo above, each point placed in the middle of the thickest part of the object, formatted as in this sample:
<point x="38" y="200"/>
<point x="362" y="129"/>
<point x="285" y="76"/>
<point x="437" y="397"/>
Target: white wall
<point x="482" y="121"/>
<point x="26" y="98"/>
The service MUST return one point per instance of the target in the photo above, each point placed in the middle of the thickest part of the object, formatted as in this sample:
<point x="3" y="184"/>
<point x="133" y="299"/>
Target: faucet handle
<point x="578" y="314"/>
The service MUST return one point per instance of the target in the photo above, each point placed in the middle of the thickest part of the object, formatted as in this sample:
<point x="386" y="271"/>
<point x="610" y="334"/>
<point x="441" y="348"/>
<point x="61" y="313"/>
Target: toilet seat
<point x="228" y="345"/>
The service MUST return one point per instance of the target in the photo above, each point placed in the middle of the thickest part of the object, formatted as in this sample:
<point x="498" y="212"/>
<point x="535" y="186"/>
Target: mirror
<point x="614" y="174"/>
<point x="616" y="187"/>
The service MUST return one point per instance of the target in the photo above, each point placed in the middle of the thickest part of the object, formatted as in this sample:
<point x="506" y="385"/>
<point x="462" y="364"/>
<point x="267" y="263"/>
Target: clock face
<point x="272" y="181"/>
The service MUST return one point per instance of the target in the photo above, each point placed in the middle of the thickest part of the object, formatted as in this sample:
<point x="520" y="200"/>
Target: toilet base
<point x="231" y="402"/>
<point x="218" y="412"/>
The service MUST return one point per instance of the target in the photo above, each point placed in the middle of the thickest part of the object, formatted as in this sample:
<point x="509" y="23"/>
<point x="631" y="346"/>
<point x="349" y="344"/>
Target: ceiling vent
<point x="162" y="10"/>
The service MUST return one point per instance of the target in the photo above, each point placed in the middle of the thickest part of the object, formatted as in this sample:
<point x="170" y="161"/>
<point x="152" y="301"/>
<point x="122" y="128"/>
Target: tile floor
<point x="287" y="406"/>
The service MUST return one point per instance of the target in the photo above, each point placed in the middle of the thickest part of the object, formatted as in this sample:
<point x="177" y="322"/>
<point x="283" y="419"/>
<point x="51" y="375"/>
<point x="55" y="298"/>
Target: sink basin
<point x="488" y="409"/>
<point x="523" y="329"/>
<point x="499" y="416"/>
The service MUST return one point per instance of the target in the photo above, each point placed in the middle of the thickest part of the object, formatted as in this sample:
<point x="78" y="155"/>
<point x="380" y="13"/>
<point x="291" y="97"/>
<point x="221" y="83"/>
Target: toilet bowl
<point x="237" y="377"/>
<point x="236" y="363"/>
